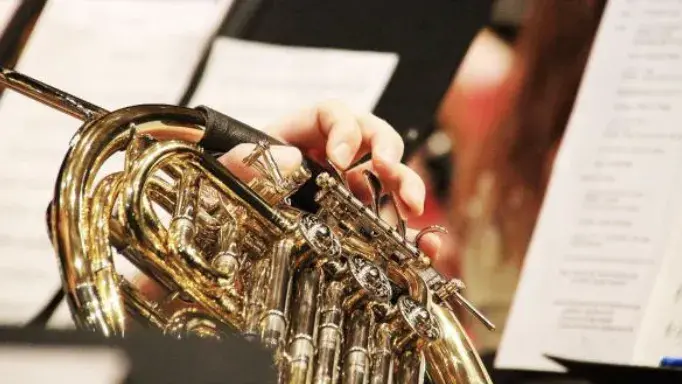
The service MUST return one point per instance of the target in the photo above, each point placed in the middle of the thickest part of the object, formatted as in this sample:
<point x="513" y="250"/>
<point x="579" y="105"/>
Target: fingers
<point x="402" y="182"/>
<point x="330" y="125"/>
<point x="343" y="133"/>
<point x="431" y="244"/>
<point x="442" y="250"/>
<point x="385" y="143"/>
<point x="345" y="136"/>
<point x="287" y="158"/>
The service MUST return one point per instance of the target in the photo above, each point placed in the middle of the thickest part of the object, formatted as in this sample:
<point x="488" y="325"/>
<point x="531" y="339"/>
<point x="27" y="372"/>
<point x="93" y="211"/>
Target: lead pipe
<point x="58" y="99"/>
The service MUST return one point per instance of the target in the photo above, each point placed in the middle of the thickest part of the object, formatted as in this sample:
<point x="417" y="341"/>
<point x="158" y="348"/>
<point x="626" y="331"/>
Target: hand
<point x="332" y="131"/>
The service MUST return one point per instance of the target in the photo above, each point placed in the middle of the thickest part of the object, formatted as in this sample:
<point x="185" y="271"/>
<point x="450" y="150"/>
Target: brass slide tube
<point x="256" y="297"/>
<point x="140" y="308"/>
<point x="182" y="226"/>
<point x="329" y="334"/>
<point x="382" y="357"/>
<point x="106" y="283"/>
<point x="301" y="334"/>
<point x="274" y="319"/>
<point x="411" y="280"/>
<point x="356" y="363"/>
<point x="410" y="368"/>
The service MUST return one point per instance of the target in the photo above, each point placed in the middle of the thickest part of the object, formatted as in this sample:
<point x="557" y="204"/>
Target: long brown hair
<point x="551" y="53"/>
<point x="553" y="50"/>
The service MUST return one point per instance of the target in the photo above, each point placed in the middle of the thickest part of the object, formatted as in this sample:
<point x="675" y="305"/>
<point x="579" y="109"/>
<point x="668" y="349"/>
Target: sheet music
<point x="603" y="266"/>
<point x="83" y="365"/>
<point x="7" y="9"/>
<point x="258" y="83"/>
<point x="111" y="53"/>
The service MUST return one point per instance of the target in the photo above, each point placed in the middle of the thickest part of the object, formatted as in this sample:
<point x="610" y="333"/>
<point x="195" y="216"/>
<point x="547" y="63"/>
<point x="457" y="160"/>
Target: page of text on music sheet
<point x="592" y="283"/>
<point x="258" y="83"/>
<point x="111" y="53"/>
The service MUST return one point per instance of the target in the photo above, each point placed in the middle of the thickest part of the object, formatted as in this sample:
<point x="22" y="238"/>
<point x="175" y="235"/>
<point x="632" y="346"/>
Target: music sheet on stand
<point x="110" y="53"/>
<point x="259" y="83"/>
<point x="598" y="278"/>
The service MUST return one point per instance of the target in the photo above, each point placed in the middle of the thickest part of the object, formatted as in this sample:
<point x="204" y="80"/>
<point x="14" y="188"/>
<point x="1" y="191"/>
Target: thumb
<point x="286" y="157"/>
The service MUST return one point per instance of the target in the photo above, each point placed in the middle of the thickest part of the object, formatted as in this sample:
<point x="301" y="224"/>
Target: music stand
<point x="430" y="36"/>
<point x="602" y="373"/>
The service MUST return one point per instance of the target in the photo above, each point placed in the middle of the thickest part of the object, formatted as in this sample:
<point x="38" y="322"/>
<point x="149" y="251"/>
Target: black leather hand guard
<point x="223" y="133"/>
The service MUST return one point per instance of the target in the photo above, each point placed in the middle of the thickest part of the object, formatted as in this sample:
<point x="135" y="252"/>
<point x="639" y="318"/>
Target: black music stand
<point x="13" y="37"/>
<point x="601" y="373"/>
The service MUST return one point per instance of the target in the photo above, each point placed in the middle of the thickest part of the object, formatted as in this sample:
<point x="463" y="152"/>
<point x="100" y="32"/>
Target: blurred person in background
<point x="505" y="113"/>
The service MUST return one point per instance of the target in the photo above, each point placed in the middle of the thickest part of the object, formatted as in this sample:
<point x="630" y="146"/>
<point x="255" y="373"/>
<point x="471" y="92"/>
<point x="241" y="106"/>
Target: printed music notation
<point x="598" y="281"/>
<point x="672" y="330"/>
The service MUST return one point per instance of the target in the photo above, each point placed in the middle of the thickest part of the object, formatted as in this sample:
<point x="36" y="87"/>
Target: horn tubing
<point x="453" y="358"/>
<point x="97" y="140"/>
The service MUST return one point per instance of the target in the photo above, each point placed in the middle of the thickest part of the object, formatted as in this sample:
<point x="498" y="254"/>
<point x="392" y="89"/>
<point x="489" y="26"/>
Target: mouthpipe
<point x="222" y="132"/>
<point x="46" y="94"/>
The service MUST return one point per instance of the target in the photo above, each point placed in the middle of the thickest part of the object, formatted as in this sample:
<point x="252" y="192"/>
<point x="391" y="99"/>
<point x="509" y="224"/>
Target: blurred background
<point x="481" y="94"/>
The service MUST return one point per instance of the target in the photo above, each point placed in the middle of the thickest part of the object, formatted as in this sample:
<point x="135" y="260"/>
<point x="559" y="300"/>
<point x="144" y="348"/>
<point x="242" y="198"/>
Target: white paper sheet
<point x="111" y="53"/>
<point x="7" y="9"/>
<point x="36" y="365"/>
<point x="258" y="83"/>
<point x="603" y="268"/>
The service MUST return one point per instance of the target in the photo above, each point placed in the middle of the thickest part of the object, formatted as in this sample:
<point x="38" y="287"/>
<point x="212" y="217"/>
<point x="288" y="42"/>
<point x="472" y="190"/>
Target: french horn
<point x="333" y="290"/>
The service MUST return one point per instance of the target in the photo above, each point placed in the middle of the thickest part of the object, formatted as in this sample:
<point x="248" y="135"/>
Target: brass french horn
<point x="337" y="293"/>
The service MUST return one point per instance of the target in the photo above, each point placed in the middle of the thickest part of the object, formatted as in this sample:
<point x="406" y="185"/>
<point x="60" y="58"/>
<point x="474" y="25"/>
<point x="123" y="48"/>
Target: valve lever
<point x="375" y="190"/>
<point x="430" y="229"/>
<point x="450" y="292"/>
<point x="338" y="174"/>
<point x="474" y="311"/>
<point x="261" y="159"/>
<point x="401" y="226"/>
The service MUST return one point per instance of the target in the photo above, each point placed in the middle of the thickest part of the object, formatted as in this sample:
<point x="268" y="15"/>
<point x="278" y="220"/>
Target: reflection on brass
<point x="338" y="295"/>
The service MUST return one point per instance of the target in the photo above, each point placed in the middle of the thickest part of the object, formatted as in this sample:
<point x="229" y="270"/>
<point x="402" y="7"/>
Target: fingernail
<point x="341" y="155"/>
